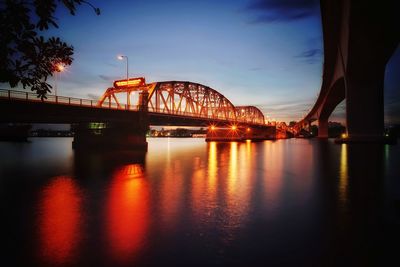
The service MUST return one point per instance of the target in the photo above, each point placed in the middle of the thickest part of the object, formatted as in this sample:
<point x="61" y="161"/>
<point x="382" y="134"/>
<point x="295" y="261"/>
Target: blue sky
<point x="266" y="53"/>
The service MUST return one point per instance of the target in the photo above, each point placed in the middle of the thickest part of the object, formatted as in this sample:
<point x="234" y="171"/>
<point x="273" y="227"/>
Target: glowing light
<point x="60" y="67"/>
<point x="130" y="83"/>
<point x="248" y="129"/>
<point x="97" y="125"/>
<point x="120" y="57"/>
<point x="234" y="127"/>
<point x="344" y="136"/>
<point x="212" y="128"/>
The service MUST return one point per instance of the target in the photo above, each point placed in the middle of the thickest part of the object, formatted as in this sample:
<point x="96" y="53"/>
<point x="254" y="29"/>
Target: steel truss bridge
<point x="184" y="99"/>
<point x="178" y="103"/>
<point x="123" y="114"/>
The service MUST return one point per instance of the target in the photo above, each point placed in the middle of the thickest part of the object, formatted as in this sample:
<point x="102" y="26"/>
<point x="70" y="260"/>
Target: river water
<point x="295" y="202"/>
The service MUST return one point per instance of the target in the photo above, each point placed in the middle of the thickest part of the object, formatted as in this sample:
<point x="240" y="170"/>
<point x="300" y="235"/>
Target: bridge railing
<point x="71" y="101"/>
<point x="62" y="100"/>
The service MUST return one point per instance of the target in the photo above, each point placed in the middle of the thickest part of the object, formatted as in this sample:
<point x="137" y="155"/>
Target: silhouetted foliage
<point x="27" y="57"/>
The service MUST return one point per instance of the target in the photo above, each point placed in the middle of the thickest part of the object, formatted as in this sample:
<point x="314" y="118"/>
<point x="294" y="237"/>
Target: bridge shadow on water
<point x="352" y="217"/>
<point x="88" y="163"/>
<point x="363" y="228"/>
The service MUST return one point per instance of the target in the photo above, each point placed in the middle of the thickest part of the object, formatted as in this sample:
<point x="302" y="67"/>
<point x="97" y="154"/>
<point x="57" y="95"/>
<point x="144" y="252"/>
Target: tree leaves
<point x="26" y="57"/>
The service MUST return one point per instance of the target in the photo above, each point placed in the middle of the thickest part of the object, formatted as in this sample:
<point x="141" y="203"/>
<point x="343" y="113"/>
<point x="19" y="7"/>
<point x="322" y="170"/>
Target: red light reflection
<point x="127" y="212"/>
<point x="60" y="220"/>
<point x="171" y="195"/>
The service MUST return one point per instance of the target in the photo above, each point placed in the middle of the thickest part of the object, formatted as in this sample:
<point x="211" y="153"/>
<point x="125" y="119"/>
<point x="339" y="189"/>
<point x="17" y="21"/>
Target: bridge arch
<point x="187" y="98"/>
<point x="334" y="97"/>
<point x="249" y="114"/>
<point x="175" y="98"/>
<point x="357" y="49"/>
<point x="323" y="107"/>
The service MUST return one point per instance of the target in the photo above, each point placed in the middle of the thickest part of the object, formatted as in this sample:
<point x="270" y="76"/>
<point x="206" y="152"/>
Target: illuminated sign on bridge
<point x="127" y="83"/>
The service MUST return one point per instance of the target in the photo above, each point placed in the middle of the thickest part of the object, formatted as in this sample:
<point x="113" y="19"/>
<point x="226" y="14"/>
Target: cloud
<point x="311" y="53"/>
<point x="108" y="78"/>
<point x="289" y="110"/>
<point x="392" y="110"/>
<point x="311" y="56"/>
<point x="256" y="68"/>
<point x="268" y="11"/>
<point x="93" y="96"/>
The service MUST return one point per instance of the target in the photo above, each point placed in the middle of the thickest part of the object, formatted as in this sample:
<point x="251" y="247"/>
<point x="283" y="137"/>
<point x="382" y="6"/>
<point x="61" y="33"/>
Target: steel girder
<point x="249" y="114"/>
<point x="190" y="99"/>
<point x="183" y="98"/>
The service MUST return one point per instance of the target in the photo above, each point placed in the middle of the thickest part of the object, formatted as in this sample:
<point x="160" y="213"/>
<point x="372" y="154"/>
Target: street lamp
<point x="121" y="57"/>
<point x="58" y="68"/>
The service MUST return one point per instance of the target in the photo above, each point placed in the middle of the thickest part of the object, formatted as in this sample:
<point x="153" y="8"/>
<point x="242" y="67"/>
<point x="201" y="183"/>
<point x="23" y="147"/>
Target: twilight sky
<point x="266" y="53"/>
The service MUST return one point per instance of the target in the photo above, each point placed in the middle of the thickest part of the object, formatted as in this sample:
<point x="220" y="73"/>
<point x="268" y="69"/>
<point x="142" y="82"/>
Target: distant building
<point x="178" y="132"/>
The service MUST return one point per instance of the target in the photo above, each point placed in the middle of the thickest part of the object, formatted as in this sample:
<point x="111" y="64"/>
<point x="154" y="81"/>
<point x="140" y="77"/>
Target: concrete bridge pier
<point x="309" y="126"/>
<point x="323" y="127"/>
<point x="364" y="104"/>
<point x="242" y="133"/>
<point x="224" y="134"/>
<point x="373" y="37"/>
<point x="258" y="134"/>
<point x="124" y="135"/>
<point x="109" y="136"/>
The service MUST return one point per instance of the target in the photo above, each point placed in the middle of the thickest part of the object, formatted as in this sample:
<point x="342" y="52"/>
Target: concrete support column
<point x="109" y="136"/>
<point x="126" y="135"/>
<point x="364" y="103"/>
<point x="243" y="133"/>
<point x="323" y="128"/>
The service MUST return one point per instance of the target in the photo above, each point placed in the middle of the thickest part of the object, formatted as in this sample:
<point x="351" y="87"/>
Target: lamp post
<point x="59" y="68"/>
<point x="121" y="57"/>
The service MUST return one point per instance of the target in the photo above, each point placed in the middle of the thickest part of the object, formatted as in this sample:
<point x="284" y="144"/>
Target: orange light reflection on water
<point x="171" y="194"/>
<point x="212" y="171"/>
<point x="238" y="193"/>
<point x="199" y="190"/>
<point x="204" y="186"/>
<point x="300" y="161"/>
<point x="233" y="168"/>
<point x="60" y="220"/>
<point x="273" y="162"/>
<point x="343" y="175"/>
<point x="127" y="213"/>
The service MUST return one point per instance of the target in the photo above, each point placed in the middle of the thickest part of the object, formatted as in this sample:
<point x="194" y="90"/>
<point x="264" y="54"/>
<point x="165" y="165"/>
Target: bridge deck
<point x="25" y="107"/>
